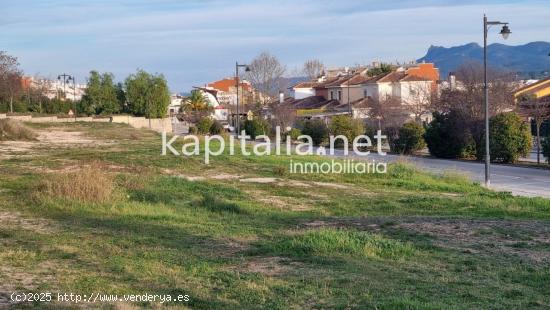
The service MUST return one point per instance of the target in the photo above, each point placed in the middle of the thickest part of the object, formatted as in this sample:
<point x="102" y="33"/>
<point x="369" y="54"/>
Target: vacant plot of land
<point x="94" y="208"/>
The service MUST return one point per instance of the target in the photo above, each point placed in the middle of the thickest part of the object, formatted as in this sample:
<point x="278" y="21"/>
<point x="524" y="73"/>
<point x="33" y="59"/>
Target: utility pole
<point x="237" y="82"/>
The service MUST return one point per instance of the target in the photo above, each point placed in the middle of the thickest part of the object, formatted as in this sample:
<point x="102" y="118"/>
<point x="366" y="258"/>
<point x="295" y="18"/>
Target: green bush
<point x="447" y="137"/>
<point x="294" y="133"/>
<point x="510" y="138"/>
<point x="256" y="127"/>
<point x="410" y="139"/>
<point x="370" y="131"/>
<point x="546" y="148"/>
<point x="346" y="126"/>
<point x="316" y="129"/>
<point x="216" y="128"/>
<point x="204" y="124"/>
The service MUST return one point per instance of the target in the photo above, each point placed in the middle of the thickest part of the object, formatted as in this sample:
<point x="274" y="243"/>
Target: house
<point x="176" y="101"/>
<point x="226" y="91"/>
<point x="427" y="71"/>
<point x="303" y="90"/>
<point x="398" y="84"/>
<point x="210" y="95"/>
<point x="55" y="88"/>
<point x="348" y="88"/>
<point x="540" y="89"/>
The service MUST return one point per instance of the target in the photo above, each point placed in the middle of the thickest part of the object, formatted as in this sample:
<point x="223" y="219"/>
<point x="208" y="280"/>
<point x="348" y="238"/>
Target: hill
<point x="529" y="60"/>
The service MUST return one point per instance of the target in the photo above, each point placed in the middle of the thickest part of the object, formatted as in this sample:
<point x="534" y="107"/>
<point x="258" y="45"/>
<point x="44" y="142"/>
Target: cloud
<point x="193" y="42"/>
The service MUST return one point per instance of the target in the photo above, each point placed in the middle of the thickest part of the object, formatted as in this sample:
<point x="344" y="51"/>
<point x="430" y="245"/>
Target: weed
<point x="15" y="130"/>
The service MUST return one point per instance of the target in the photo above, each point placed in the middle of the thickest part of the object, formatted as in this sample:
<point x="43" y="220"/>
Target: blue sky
<point x="195" y="41"/>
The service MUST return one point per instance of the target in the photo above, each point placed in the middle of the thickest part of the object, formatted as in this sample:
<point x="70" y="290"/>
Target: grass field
<point x="109" y="215"/>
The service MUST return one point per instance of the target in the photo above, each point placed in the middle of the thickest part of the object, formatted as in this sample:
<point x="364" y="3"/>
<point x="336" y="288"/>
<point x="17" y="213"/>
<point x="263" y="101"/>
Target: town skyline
<point x="104" y="36"/>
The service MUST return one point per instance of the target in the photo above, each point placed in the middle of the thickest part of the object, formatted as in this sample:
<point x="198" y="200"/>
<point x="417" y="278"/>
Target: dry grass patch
<point x="11" y="130"/>
<point x="89" y="184"/>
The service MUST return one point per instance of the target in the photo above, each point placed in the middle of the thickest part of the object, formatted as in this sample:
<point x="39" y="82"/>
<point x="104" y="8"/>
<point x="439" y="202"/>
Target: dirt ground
<point x="54" y="137"/>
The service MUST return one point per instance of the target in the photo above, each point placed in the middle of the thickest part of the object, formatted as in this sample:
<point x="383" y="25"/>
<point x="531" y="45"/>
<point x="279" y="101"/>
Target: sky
<point x="193" y="42"/>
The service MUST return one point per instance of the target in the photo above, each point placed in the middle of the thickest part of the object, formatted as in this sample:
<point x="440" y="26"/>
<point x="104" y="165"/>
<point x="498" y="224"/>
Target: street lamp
<point x="237" y="82"/>
<point x="505" y="32"/>
<point x="66" y="79"/>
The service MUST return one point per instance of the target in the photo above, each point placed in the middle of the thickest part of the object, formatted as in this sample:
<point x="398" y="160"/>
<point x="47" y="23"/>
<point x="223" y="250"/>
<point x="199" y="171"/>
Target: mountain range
<point x="531" y="60"/>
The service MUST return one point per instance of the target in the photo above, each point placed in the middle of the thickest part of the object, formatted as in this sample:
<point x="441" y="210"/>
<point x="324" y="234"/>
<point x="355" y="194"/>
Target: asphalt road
<point x="530" y="182"/>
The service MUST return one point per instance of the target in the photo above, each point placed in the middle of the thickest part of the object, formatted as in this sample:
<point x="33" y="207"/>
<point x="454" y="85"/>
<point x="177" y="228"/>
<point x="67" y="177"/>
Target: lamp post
<point x="66" y="79"/>
<point x="505" y="32"/>
<point x="237" y="82"/>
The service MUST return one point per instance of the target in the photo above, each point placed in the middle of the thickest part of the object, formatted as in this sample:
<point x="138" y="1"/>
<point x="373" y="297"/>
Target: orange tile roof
<point x="226" y="84"/>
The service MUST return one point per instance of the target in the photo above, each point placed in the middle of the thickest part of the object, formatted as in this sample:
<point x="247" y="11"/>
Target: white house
<point x="303" y="90"/>
<point x="175" y="104"/>
<point x="210" y="95"/>
<point x="221" y="114"/>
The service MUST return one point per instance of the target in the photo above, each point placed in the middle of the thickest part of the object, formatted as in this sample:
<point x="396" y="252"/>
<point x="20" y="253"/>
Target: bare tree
<point x="539" y="110"/>
<point x="420" y="100"/>
<point x="10" y="78"/>
<point x="388" y="111"/>
<point x="284" y="115"/>
<point x="39" y="91"/>
<point x="265" y="75"/>
<point x="468" y="96"/>
<point x="313" y="68"/>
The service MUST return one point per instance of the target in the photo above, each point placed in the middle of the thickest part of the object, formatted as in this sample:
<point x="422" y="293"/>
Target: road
<point x="520" y="181"/>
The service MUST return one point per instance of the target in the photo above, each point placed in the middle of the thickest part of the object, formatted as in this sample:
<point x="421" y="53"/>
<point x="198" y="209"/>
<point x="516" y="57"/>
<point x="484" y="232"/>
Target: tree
<point x="204" y="124"/>
<point x="101" y="95"/>
<point x="410" y="139"/>
<point x="346" y="126"/>
<point x="510" y="138"/>
<point x="121" y="97"/>
<point x="382" y="69"/>
<point x="388" y="111"/>
<point x="313" y="69"/>
<point x="92" y="98"/>
<point x="469" y="96"/>
<point x="110" y="103"/>
<point x="448" y="136"/>
<point x="256" y="127"/>
<point x="38" y="93"/>
<point x="147" y="94"/>
<point x="284" y="115"/>
<point x="539" y="110"/>
<point x="196" y="102"/>
<point x="468" y="99"/>
<point x="316" y="129"/>
<point x="13" y="87"/>
<point x="419" y="101"/>
<point x="10" y="78"/>
<point x="265" y="74"/>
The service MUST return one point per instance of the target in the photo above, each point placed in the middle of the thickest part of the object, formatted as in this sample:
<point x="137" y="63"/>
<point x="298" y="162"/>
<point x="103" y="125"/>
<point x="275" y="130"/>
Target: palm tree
<point x="196" y="102"/>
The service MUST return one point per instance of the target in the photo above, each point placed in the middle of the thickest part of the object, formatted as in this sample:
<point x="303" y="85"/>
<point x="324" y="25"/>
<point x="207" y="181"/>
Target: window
<point x="365" y="93"/>
<point x="339" y="95"/>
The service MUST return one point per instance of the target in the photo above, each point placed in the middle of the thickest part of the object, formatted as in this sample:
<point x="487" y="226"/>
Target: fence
<point x="156" y="124"/>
